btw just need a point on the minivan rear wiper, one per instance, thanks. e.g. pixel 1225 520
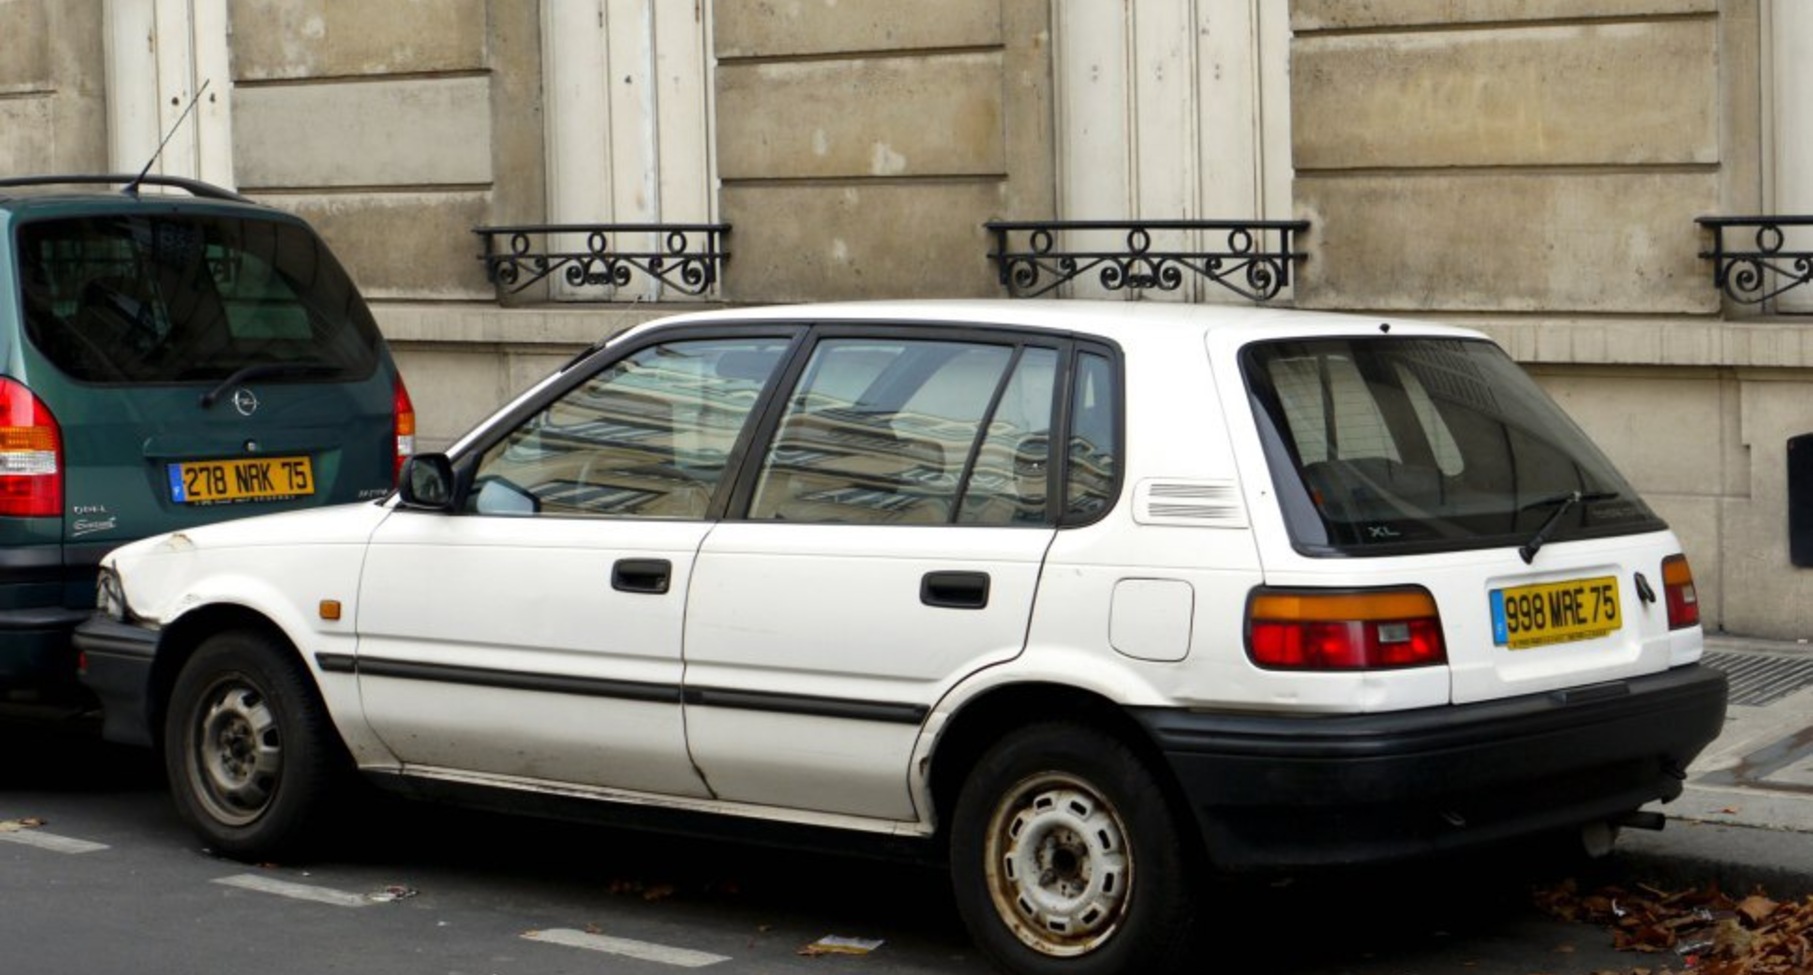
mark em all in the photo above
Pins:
pixel 259 370
pixel 1562 502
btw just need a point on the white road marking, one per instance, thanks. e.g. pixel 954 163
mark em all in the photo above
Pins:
pixel 641 950
pixel 49 841
pixel 301 892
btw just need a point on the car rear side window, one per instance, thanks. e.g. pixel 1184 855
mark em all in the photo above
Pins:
pixel 190 298
pixel 1383 445
pixel 1094 463
pixel 913 432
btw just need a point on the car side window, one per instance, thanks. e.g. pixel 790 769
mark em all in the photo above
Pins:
pixel 1007 485
pixel 1094 455
pixel 892 432
pixel 647 437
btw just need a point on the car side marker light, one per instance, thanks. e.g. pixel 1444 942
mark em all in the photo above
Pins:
pixel 330 610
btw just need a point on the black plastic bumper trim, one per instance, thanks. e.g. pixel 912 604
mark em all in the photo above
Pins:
pixel 118 672
pixel 1277 791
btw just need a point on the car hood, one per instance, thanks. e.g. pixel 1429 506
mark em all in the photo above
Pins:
pixel 346 524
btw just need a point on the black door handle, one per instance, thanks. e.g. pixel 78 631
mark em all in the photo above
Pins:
pixel 954 590
pixel 642 575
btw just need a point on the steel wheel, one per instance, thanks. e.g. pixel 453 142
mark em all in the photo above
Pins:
pixel 1066 858
pixel 1059 868
pixel 253 758
pixel 237 751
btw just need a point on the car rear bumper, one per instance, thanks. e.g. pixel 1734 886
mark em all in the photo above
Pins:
pixel 118 658
pixel 1275 792
pixel 35 654
pixel 46 591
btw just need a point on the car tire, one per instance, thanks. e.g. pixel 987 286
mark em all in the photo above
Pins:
pixel 1067 858
pixel 250 751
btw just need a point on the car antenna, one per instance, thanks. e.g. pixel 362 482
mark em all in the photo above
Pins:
pixel 131 189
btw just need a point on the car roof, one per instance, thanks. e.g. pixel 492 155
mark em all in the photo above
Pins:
pixel 114 191
pixel 1116 320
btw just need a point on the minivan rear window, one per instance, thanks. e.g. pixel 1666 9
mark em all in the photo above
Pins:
pixel 190 298
pixel 1401 444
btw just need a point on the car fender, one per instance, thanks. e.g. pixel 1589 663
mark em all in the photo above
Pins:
pixel 1121 681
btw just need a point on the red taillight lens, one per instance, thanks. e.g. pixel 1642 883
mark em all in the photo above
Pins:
pixel 1312 630
pixel 403 417
pixel 1677 586
pixel 31 455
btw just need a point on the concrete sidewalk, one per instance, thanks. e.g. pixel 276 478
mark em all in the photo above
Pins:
pixel 1746 817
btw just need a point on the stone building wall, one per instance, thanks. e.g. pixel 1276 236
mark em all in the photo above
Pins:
pixel 862 144
pixel 52 98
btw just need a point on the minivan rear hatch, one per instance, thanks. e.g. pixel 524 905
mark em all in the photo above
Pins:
pixel 200 357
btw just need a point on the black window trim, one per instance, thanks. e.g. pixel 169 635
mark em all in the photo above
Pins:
pixel 734 493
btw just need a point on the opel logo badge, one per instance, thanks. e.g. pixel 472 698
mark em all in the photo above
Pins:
pixel 244 401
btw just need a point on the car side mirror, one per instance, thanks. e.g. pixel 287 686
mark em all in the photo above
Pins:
pixel 426 482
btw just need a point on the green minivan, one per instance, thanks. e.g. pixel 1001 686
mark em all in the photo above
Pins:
pixel 171 353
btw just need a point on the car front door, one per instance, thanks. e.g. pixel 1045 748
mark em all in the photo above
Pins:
pixel 534 633
pixel 895 525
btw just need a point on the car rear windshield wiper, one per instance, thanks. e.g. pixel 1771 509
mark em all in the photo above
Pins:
pixel 260 370
pixel 1562 503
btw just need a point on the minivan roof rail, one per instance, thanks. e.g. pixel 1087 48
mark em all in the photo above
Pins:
pixel 195 187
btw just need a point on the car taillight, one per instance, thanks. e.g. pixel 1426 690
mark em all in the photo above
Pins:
pixel 1306 629
pixel 31 455
pixel 1677 587
pixel 403 421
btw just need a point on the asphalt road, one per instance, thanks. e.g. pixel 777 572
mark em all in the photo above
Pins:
pixel 111 881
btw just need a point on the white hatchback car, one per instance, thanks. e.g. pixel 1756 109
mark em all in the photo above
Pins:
pixel 1091 598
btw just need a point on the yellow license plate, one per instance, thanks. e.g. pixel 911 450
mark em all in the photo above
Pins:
pixel 1555 612
pixel 252 479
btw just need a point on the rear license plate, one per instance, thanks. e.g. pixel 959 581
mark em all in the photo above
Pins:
pixel 1555 612
pixel 254 479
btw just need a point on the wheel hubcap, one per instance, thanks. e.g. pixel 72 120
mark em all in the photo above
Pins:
pixel 237 753
pixel 1059 869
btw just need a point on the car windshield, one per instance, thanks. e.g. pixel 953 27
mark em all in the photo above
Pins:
pixel 190 298
pixel 1388 445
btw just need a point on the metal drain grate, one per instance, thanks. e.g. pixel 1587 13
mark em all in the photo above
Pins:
pixel 1761 678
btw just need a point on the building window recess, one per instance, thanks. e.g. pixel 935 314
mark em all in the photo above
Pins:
pixel 1770 267
pixel 685 257
pixel 1254 259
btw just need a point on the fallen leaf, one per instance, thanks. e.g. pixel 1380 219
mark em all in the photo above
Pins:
pixel 1756 907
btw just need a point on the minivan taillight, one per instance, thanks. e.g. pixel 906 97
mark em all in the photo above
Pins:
pixel 1677 587
pixel 403 423
pixel 1309 629
pixel 31 455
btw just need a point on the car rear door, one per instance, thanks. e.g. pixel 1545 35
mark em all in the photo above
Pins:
pixel 896 525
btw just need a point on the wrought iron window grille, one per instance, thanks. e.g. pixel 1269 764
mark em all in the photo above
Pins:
pixel 690 258
pixel 1246 264
pixel 1768 268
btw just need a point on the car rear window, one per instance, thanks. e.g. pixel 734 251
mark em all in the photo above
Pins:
pixel 1387 445
pixel 181 297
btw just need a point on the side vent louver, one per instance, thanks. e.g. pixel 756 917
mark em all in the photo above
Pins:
pixel 1203 504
